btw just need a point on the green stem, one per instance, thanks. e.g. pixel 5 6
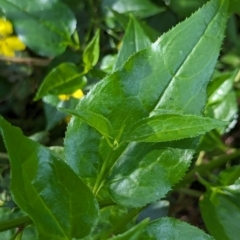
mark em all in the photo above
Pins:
pixel 103 172
pixel 15 223
pixel 122 223
pixel 204 168
pixel 18 233
pixel 190 192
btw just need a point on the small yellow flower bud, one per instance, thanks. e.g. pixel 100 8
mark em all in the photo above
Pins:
pixel 6 27
pixel 5 49
pixel 77 94
pixel 63 97
pixel 15 43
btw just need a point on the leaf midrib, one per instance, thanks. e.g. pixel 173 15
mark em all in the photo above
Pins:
pixel 184 61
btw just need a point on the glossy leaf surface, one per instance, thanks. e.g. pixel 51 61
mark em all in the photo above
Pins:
pixel 220 209
pixel 59 203
pixel 64 79
pixel 170 228
pixel 169 77
pixel 97 121
pixel 222 101
pixel 135 39
pixel 140 8
pixel 169 127
pixel 44 26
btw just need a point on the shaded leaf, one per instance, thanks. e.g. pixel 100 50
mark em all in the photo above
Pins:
pixel 170 228
pixel 91 52
pixel 229 176
pixel 169 127
pixel 40 180
pixel 124 19
pixel 220 209
pixel 44 26
pixel 140 8
pixel 64 79
pixel 135 39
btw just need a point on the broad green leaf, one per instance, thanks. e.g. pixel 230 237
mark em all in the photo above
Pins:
pixel 64 79
pixel 133 233
pixel 220 209
pixel 169 127
pixel 97 121
pixel 170 228
pixel 91 52
pixel 168 77
pixel 140 8
pixel 44 26
pixel 59 203
pixel 135 39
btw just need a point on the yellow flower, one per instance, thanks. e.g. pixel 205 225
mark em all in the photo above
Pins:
pixel 5 27
pixel 77 94
pixel 9 44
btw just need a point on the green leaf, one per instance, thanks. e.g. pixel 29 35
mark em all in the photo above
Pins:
pixel 234 6
pixel 169 127
pixel 229 175
pixel 222 102
pixel 135 39
pixel 220 209
pixel 220 87
pixel 184 8
pixel 56 199
pixel 168 77
pixel 97 121
pixel 64 79
pixel 170 228
pixel 91 52
pixel 44 26
pixel 133 233
pixel 140 8
pixel 124 19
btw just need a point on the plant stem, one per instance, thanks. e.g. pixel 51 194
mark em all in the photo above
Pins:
pixel 103 172
pixel 30 61
pixel 122 223
pixel 204 168
pixel 190 192
pixel 15 223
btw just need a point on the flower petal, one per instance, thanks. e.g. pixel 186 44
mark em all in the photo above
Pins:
pixel 15 43
pixel 77 94
pixel 6 27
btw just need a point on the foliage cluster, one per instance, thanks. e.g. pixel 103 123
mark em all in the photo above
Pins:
pixel 148 92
